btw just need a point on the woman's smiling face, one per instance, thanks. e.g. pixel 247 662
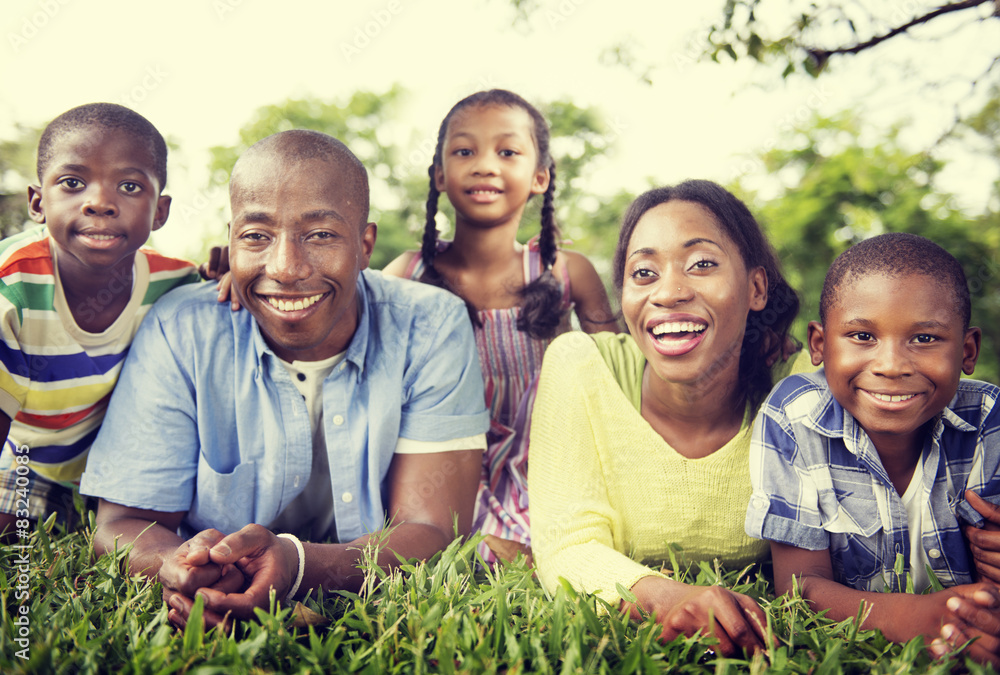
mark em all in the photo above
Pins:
pixel 686 293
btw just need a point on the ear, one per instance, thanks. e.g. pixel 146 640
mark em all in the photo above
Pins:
pixel 541 181
pixel 816 340
pixel 439 178
pixel 35 209
pixel 162 211
pixel 368 237
pixel 970 349
pixel 758 289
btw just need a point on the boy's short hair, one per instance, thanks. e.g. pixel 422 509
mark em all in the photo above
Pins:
pixel 109 116
pixel 897 254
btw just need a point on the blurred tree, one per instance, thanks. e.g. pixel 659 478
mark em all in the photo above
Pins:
pixel 835 190
pixel 17 171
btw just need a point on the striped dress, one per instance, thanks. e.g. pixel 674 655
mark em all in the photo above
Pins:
pixel 56 379
pixel 510 361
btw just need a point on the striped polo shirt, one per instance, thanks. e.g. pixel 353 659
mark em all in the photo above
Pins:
pixel 56 379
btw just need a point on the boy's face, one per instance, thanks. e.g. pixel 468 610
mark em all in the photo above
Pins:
pixel 894 349
pixel 99 197
pixel 297 243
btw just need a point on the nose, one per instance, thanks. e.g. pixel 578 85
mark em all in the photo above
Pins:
pixel 100 201
pixel 670 289
pixel 891 360
pixel 486 164
pixel 288 261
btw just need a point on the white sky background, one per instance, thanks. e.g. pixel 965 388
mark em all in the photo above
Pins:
pixel 199 68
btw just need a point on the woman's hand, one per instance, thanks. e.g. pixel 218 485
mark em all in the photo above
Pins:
pixel 734 619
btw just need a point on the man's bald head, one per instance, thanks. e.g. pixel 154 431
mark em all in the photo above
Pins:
pixel 280 151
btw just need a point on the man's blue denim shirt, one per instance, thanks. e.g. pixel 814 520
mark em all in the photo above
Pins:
pixel 818 482
pixel 205 420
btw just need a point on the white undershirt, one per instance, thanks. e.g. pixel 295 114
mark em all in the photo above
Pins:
pixel 915 506
pixel 310 515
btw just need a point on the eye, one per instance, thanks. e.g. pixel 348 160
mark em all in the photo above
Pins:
pixel 71 183
pixel 863 337
pixel 130 188
pixel 703 264
pixel 253 237
pixel 508 153
pixel 323 235
pixel 642 273
pixel 462 152
pixel 925 339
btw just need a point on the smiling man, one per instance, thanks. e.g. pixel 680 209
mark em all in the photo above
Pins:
pixel 339 401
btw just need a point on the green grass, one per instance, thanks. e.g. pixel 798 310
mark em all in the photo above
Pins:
pixel 445 615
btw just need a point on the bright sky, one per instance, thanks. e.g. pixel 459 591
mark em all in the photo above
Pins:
pixel 199 68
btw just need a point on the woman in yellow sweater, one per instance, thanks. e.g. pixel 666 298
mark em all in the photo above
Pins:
pixel 640 442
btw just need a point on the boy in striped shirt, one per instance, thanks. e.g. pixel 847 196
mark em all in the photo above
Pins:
pixel 72 294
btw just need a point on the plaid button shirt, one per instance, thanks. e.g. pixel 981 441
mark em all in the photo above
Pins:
pixel 818 483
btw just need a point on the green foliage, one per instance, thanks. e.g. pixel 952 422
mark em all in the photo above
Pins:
pixel 446 615
pixel 17 171
pixel 837 189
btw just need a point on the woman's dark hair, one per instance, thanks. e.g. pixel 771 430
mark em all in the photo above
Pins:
pixel 767 329
pixel 539 316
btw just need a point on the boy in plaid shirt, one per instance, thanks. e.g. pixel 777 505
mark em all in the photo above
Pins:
pixel 869 468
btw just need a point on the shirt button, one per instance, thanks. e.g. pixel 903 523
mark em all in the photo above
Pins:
pixel 347 497
pixel 934 553
pixel 758 502
pixel 343 365
pixel 338 420
pixel 301 376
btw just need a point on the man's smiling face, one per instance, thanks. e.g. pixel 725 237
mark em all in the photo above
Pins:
pixel 298 241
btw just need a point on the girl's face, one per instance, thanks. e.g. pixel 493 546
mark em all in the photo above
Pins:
pixel 490 165
pixel 686 293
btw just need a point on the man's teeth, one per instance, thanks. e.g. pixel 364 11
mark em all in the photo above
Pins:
pixel 484 192
pixel 678 327
pixel 892 399
pixel 293 305
pixel 102 237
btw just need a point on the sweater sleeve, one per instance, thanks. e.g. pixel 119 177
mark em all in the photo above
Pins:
pixel 572 520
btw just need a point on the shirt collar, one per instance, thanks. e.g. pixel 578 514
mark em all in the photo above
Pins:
pixel 357 350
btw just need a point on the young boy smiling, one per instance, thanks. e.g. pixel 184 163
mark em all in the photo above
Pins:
pixel 868 461
pixel 72 294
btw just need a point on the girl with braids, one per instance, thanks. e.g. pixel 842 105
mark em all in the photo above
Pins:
pixel 492 156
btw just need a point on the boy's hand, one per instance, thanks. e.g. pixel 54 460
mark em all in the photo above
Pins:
pixel 217 267
pixel 984 543
pixel 974 614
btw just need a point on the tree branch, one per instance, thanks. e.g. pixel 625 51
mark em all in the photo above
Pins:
pixel 822 55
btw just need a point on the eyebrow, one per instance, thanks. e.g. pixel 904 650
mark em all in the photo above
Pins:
pixel 322 214
pixel 265 218
pixel 867 323
pixel 506 134
pixel 688 244
pixel 82 168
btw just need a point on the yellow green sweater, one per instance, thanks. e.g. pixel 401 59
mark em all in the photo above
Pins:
pixel 608 495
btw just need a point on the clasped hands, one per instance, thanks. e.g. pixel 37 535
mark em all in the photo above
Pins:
pixel 234 574
pixel 974 609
